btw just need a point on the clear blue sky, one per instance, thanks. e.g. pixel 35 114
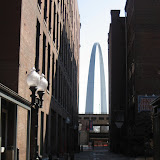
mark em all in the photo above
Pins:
pixel 95 20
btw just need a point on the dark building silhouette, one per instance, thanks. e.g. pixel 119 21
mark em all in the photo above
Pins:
pixel 142 33
pixel 117 79
pixel 47 37
pixel 143 38
pixel 156 128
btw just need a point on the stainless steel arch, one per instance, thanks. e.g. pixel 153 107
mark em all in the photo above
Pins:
pixel 90 84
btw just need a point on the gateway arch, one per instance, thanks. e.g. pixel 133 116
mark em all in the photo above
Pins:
pixel 90 84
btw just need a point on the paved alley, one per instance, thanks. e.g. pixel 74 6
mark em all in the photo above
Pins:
pixel 101 153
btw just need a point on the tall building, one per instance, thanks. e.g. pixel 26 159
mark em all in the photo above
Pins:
pixel 91 78
pixel 47 38
pixel 117 79
pixel 142 33
pixel 143 38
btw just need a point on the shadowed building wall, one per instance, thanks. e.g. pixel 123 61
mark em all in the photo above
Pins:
pixel 143 39
pixel 141 28
pixel 117 78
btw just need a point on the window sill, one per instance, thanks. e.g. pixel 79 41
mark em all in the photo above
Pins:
pixel 53 43
pixel 49 32
pixel 39 8
pixel 45 23
pixel 48 91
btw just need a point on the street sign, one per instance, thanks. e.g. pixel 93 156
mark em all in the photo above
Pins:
pixel 144 103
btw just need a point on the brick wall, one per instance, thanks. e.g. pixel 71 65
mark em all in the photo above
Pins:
pixel 65 50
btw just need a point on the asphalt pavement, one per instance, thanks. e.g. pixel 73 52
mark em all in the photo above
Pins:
pixel 102 153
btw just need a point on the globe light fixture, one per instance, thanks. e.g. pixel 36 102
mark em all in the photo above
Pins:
pixel 68 121
pixel 75 127
pixel 43 83
pixel 37 84
pixel 33 78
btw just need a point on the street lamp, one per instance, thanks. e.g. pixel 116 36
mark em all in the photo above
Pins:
pixel 36 83
pixel 75 127
pixel 68 121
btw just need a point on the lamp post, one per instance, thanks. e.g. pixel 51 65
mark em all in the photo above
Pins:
pixel 37 84
pixel 119 121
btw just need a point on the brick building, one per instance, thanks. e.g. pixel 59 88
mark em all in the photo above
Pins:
pixel 143 38
pixel 156 128
pixel 142 62
pixel 47 37
pixel 117 78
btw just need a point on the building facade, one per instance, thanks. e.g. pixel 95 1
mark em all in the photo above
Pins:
pixel 117 79
pixel 156 128
pixel 142 38
pixel 94 129
pixel 47 38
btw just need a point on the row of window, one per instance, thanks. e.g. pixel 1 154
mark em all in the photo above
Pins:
pixel 65 55
pixel 56 19
pixel 44 54
pixel 61 85
pixel 61 124
pixel 94 118
pixel 58 76
pixel 63 92
pixel 49 17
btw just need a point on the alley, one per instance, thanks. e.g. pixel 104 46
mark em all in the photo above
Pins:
pixel 100 153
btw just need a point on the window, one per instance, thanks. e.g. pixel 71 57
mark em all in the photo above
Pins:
pixel 37 45
pixel 59 85
pixel 54 22
pixel 64 92
pixel 101 118
pixel 48 68
pixel 93 118
pixel 63 10
pixel 86 117
pixel 61 6
pixel 41 135
pixel 4 122
pixel 39 3
pixel 45 10
pixel 46 136
pixel 60 41
pixel 57 29
pixel 56 79
pixel 53 75
pixel 59 136
pixel 60 88
pixel 65 15
pixel 50 10
pixel 53 131
pixel 44 54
